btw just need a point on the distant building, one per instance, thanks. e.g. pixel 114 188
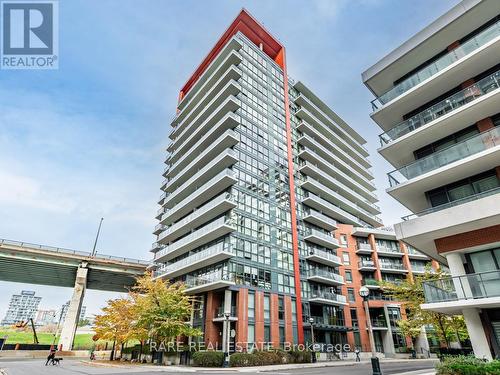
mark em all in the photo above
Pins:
pixel 22 307
pixel 46 317
pixel 64 311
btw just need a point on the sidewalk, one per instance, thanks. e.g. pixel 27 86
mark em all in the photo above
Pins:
pixel 292 366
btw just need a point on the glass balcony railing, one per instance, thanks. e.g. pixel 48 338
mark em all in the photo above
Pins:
pixel 440 64
pixel 193 281
pixel 461 98
pixel 471 286
pixel 325 320
pixel 392 266
pixel 379 323
pixel 369 282
pixel 366 263
pixel 324 254
pixel 471 146
pixel 364 246
pixel 326 274
pixel 385 249
pixel 219 312
pixel 329 296
pixel 457 202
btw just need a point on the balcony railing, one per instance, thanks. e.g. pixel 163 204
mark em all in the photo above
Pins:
pixel 219 312
pixel 328 296
pixel 392 266
pixel 458 151
pixel 324 254
pixel 322 238
pixel 378 323
pixel 471 286
pixel 366 263
pixel 325 320
pixel 369 282
pixel 320 217
pixel 193 281
pixel 439 65
pixel 325 274
pixel 454 203
pixel 363 247
pixel 461 98
pixel 385 249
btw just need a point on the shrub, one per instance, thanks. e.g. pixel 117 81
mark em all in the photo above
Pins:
pixel 242 360
pixel 467 365
pixel 208 359
pixel 300 356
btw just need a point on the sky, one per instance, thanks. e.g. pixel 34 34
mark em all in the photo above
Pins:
pixel 88 140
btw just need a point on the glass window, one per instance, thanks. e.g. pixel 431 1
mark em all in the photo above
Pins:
pixel 251 333
pixel 281 308
pixel 351 296
pixel 354 317
pixel 267 308
pixel 348 276
pixel 251 306
pixel 343 239
pixel 345 258
pixel 267 334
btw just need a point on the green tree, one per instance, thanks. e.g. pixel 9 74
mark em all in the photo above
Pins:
pixel 411 293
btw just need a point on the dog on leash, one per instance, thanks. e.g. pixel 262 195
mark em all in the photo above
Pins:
pixel 56 361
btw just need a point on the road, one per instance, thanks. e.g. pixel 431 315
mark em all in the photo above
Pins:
pixel 75 367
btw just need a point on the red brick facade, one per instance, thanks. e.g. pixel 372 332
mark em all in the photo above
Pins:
pixel 466 240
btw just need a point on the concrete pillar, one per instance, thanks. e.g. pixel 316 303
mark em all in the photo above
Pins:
pixel 476 333
pixel 388 341
pixel 73 315
pixel 226 325
pixel 461 284
pixel 422 344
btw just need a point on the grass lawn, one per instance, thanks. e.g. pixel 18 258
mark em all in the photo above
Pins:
pixel 82 340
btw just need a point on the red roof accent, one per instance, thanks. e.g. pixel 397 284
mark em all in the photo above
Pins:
pixel 253 30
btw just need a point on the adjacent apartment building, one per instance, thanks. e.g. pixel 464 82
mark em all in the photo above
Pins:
pixel 438 104
pixel 268 207
pixel 22 307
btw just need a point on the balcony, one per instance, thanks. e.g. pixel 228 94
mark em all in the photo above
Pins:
pixel 202 284
pixel 366 265
pixel 212 255
pixel 323 257
pixel 389 252
pixel 210 169
pixel 203 97
pixel 199 237
pixel 364 248
pixel 478 154
pixel 378 324
pixel 452 294
pixel 437 66
pixel 203 214
pixel 158 229
pixel 329 321
pixel 340 201
pixel 392 267
pixel 231 89
pixel 222 118
pixel 417 255
pixel 325 119
pixel 327 298
pixel 199 196
pixel 310 120
pixel 418 269
pixel 319 219
pixel 328 151
pixel 321 238
pixel 323 205
pixel 325 277
pixel 219 314
pixel 209 146
pixel 370 283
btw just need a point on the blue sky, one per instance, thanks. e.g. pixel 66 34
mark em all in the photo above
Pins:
pixel 87 140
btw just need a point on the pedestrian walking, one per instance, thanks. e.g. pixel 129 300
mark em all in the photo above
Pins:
pixel 51 356
pixel 356 351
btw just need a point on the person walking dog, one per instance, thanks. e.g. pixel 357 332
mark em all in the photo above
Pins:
pixel 51 356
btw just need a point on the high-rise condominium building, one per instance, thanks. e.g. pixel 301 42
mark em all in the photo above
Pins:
pixel 22 307
pixel 438 104
pixel 264 187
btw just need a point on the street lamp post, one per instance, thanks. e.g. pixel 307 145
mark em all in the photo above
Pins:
pixel 313 353
pixel 364 292
pixel 226 346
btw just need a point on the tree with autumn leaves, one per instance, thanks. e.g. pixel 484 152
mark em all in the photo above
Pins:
pixel 411 293
pixel 153 310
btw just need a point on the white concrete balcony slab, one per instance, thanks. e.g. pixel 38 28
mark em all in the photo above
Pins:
pixel 336 156
pixel 472 156
pixel 328 298
pixel 199 237
pixel 221 74
pixel 209 146
pixel 324 257
pixel 199 196
pixel 203 214
pixel 319 219
pixel 205 174
pixel 338 200
pixel 231 89
pixel 366 265
pixel 311 120
pixel 321 238
pixel 324 277
pixel 203 170
pixel 465 215
pixel 215 281
pixel 451 295
pixel 450 116
pixel 186 117
pixel 158 229
pixel 461 70
pixel 389 252
pixel 212 255
pixel 364 248
pixel 416 255
pixel 224 58
pixel 385 233
pixel 331 210
pixel 318 168
pixel 392 267
pixel 304 101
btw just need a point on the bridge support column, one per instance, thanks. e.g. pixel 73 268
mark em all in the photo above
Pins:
pixel 73 315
